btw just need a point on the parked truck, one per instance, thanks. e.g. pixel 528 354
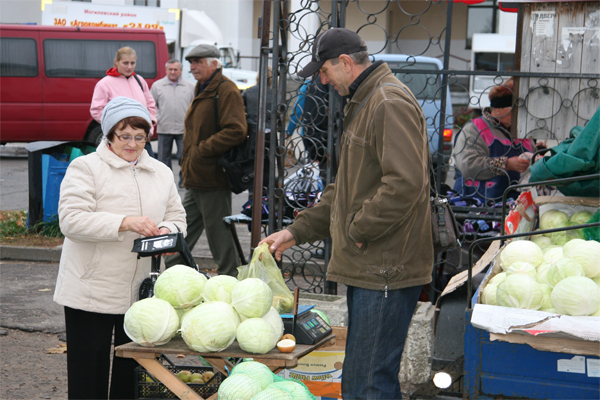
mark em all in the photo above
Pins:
pixel 184 29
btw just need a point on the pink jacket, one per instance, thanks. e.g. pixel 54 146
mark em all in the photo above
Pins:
pixel 110 87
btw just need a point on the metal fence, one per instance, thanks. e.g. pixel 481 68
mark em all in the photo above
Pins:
pixel 307 117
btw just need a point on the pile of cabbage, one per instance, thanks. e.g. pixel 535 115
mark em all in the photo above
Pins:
pixel 209 313
pixel 536 275
pixel 251 380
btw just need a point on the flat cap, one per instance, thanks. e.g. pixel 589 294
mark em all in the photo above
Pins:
pixel 203 51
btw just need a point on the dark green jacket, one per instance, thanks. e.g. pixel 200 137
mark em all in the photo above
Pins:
pixel 203 144
pixel 381 194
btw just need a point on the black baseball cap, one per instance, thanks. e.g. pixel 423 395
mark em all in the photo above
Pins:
pixel 331 44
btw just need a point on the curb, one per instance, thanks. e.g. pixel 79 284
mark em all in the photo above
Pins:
pixel 13 151
pixel 52 254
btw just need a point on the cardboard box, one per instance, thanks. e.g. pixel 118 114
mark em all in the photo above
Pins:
pixel 321 371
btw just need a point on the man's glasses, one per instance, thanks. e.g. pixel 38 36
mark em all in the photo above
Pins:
pixel 127 138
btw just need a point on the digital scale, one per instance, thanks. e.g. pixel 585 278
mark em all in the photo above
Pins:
pixel 306 326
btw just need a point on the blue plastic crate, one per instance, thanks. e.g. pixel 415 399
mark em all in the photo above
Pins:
pixel 496 369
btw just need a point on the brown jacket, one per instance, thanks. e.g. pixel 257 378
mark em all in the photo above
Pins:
pixel 381 194
pixel 202 143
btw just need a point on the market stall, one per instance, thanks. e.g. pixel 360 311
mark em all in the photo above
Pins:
pixel 148 358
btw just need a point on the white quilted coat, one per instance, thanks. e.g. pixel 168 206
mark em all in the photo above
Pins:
pixel 98 272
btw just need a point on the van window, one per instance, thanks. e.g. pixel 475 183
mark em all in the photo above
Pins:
pixel 18 57
pixel 423 86
pixel 65 58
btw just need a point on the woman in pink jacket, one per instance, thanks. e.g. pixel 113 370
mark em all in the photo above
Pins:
pixel 121 80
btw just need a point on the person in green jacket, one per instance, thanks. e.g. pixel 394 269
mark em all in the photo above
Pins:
pixel 377 212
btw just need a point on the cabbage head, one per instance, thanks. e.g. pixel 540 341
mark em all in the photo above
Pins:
pixel 181 286
pixel 256 335
pixel 497 279
pixel 521 267
pixel 210 326
pixel 552 219
pixel 576 295
pixel 542 273
pixel 273 393
pixel 273 318
pixel 541 240
pixel 151 322
pixel 219 288
pixel 520 291
pixel 521 250
pixel 488 296
pixel 580 217
pixel 297 390
pixel 553 254
pixel 238 387
pixel 562 269
pixel 259 372
pixel 588 255
pixel 571 244
pixel 252 298
pixel 547 304
pixel 559 238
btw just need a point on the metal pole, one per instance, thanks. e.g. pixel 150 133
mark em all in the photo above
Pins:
pixel 442 124
pixel 260 129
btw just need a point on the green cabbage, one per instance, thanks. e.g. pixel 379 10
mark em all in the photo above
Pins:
pixel 488 296
pixel 297 390
pixel 497 279
pixel 256 335
pixel 552 219
pixel 562 269
pixel 588 255
pixel 151 322
pixel 542 272
pixel 580 217
pixel 576 295
pixel 273 318
pixel 210 326
pixel 571 244
pixel 219 288
pixel 597 280
pixel 238 387
pixel 252 298
pixel 520 291
pixel 552 254
pixel 541 241
pixel 181 286
pixel 521 267
pixel 547 289
pixel 521 250
pixel 273 394
pixel 259 372
pixel 559 238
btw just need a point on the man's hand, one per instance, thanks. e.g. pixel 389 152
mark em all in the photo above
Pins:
pixel 279 242
pixel 517 164
pixel 142 225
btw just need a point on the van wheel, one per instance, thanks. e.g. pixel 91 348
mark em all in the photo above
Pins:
pixel 94 136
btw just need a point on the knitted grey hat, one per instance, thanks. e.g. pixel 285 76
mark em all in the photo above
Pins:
pixel 120 108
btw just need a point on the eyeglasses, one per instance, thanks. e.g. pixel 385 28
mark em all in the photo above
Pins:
pixel 127 138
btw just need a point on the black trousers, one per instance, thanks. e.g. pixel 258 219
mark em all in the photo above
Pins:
pixel 89 338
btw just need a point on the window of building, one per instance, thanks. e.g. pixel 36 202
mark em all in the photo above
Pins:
pixel 481 18
pixel 147 3
pixel 91 58
pixel 18 57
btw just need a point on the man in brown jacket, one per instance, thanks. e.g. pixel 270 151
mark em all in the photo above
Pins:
pixel 377 212
pixel 214 123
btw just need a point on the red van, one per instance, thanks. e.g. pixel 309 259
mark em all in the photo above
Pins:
pixel 48 75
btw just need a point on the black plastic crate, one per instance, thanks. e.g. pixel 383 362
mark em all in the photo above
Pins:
pixel 148 387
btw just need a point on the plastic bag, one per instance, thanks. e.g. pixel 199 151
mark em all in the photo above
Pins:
pixel 265 268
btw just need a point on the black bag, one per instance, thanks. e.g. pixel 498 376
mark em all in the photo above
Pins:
pixel 238 162
pixel 444 228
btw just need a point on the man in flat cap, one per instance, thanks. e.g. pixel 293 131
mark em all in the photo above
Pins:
pixel 377 212
pixel 215 122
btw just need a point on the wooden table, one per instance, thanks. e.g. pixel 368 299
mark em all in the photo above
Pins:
pixel 147 357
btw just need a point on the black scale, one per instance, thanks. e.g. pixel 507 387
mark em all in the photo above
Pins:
pixel 307 327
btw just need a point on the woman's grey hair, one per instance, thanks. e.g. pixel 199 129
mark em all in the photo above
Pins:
pixel 209 61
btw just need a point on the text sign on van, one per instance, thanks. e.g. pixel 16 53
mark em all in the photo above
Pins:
pixel 70 13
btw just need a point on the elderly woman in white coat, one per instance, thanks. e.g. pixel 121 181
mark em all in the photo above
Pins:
pixel 108 199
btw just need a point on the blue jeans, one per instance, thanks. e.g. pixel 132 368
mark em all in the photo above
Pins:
pixel 377 329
